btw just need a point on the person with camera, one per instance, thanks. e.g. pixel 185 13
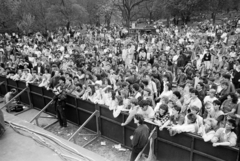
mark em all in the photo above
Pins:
pixel 60 102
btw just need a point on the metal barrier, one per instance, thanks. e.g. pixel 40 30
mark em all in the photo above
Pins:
pixel 40 112
pixel 96 113
pixel 183 146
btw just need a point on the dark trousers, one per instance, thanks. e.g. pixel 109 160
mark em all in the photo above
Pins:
pixel 61 116
pixel 133 156
pixel 135 153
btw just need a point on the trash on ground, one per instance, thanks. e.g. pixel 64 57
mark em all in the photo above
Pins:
pixel 122 149
pixel 85 138
pixel 118 146
pixel 103 143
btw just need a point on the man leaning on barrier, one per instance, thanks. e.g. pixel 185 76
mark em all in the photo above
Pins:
pixel 140 136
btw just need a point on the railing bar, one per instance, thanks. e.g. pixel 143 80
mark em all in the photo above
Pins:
pixel 1 83
pixel 89 142
pixel 36 93
pixel 86 134
pixel 22 111
pixel 108 119
pixel 47 126
pixel 80 109
pixel 41 111
pixel 207 155
pixel 84 124
pixel 174 144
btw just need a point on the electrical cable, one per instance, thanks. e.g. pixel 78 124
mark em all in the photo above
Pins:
pixel 63 156
pixel 53 139
pixel 39 142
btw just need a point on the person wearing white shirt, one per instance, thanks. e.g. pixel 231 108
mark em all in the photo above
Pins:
pixel 151 85
pixel 194 100
pixel 167 92
pixel 211 97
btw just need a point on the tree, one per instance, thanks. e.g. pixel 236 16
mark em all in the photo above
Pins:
pixel 127 8
pixel 66 12
pixel 108 11
pixel 183 8
pixel 216 6
pixel 26 23
pixel 8 14
pixel 151 9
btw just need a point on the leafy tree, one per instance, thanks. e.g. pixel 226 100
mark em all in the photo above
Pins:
pixel 26 23
pixel 183 8
pixel 108 11
pixel 128 9
pixel 152 9
pixel 8 14
pixel 66 12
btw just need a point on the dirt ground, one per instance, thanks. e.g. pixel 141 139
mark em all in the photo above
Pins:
pixel 107 151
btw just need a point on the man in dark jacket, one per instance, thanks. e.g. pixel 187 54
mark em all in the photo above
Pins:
pixel 60 105
pixel 39 68
pixel 140 136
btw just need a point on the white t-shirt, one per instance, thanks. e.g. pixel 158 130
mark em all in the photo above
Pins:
pixel 209 99
pixel 195 102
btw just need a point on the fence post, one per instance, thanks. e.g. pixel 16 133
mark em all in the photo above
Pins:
pixel 97 118
pixel 39 113
pixel 29 98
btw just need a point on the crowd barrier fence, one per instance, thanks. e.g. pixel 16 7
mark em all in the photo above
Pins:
pixel 186 147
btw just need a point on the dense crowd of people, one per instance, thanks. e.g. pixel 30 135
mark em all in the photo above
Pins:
pixel 182 78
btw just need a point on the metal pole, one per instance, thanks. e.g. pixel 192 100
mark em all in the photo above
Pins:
pixel 81 127
pixel 2 83
pixel 149 138
pixel 39 113
pixel 14 98
pixel 50 124
pixel 90 141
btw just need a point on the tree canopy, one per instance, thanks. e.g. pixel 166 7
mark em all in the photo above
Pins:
pixel 42 15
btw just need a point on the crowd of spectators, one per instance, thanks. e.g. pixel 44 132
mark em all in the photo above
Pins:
pixel 182 78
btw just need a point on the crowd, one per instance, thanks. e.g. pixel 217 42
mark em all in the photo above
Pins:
pixel 182 78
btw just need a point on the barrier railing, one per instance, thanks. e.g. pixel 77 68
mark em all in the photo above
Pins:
pixel 179 147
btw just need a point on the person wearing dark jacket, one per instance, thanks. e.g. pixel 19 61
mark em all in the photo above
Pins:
pixel 39 68
pixel 140 136
pixel 60 105
pixel 236 77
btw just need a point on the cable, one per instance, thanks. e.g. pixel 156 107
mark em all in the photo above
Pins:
pixel 52 138
pixel 44 143
pixel 39 142
pixel 55 140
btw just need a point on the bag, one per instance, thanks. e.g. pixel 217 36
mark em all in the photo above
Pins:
pixel 17 108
